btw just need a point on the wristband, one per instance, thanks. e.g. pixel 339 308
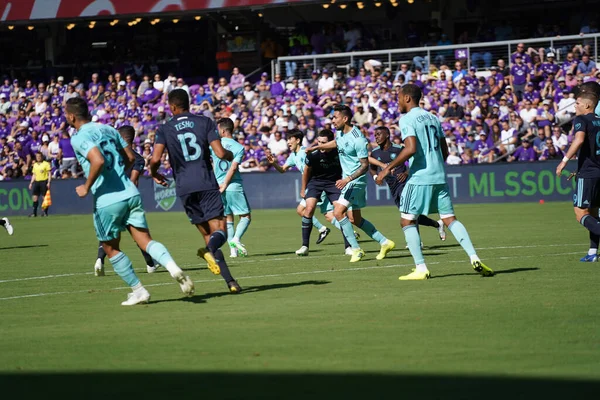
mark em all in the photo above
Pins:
pixel 565 159
pixel 374 177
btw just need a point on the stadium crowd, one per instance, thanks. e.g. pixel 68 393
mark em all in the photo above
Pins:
pixel 514 111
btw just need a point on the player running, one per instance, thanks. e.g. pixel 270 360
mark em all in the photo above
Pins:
pixel 117 202
pixel 353 153
pixel 6 224
pixel 426 190
pixel 231 187
pixel 320 174
pixel 586 146
pixel 384 154
pixel 128 133
pixel 188 139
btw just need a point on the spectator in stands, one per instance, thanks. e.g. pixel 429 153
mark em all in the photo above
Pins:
pixel 586 67
pixel 326 83
pixel 551 152
pixel 236 82
pixel 559 139
pixel 278 87
pixel 525 153
pixel 519 75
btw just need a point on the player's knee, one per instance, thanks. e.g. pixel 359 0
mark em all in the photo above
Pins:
pixel 448 220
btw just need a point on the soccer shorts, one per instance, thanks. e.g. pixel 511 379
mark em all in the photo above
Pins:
pixel 325 205
pixel 354 195
pixel 235 203
pixel 110 221
pixel 326 192
pixel 425 199
pixel 397 194
pixel 588 193
pixel 201 207
pixel 39 188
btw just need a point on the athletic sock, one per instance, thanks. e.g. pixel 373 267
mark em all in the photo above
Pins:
pixel 426 221
pixel 242 227
pixel 101 253
pixel 591 224
pixel 370 230
pixel 123 267
pixel 35 207
pixel 159 252
pixel 307 226
pixel 462 236
pixel 220 259
pixel 149 260
pixel 348 232
pixel 413 240
pixel 216 241
pixel 230 230
pixel 316 223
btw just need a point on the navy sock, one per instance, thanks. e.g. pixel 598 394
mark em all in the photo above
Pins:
pixel 426 221
pixel 591 224
pixel 307 225
pixel 101 253
pixel 149 260
pixel 594 241
pixel 217 239
pixel 220 259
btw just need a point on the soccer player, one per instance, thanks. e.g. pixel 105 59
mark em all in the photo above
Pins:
pixel 127 132
pixel 585 145
pixel 40 182
pixel 231 188
pixel 352 148
pixel 320 174
pixel 297 158
pixel 104 157
pixel 6 224
pixel 426 190
pixel 380 157
pixel 188 139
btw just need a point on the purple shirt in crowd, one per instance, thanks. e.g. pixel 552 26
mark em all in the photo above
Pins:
pixel 519 73
pixel 65 145
pixel 523 154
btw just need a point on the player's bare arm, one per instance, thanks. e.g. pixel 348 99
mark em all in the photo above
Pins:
pixel 575 146
pixel 376 163
pixel 96 160
pixel 444 149
pixel 159 149
pixel 128 157
pixel 229 176
pixel 220 151
pixel 410 148
pixel 305 178
pixel 273 161
pixel 364 166
pixel 323 146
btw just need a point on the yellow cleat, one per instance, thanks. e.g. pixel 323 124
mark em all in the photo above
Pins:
pixel 415 276
pixel 210 260
pixel 357 255
pixel 385 248
pixel 483 269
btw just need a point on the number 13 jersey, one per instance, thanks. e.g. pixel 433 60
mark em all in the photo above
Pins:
pixel 427 164
pixel 187 138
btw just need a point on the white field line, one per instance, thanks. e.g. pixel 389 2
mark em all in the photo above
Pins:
pixel 281 275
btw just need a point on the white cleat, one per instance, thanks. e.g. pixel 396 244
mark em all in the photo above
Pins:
pixel 233 252
pixel 99 267
pixel 140 296
pixel 152 270
pixel 185 283
pixel 9 228
pixel 348 251
pixel 241 249
pixel 442 230
pixel 302 251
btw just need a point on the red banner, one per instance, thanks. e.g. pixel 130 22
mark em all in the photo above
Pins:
pixel 22 10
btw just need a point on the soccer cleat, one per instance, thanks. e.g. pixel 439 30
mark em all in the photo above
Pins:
pixel 442 230
pixel 234 287
pixel 356 235
pixel 589 258
pixel 99 267
pixel 357 255
pixel 322 235
pixel 241 249
pixel 32 215
pixel 348 251
pixel 151 269
pixel 140 296
pixel 385 248
pixel 483 269
pixel 185 283
pixel 415 276
pixel 210 260
pixel 302 251
pixel 232 251
pixel 8 226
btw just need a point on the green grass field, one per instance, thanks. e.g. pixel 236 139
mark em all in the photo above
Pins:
pixel 315 327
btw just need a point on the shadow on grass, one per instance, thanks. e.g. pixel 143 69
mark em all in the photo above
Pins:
pixel 33 246
pixel 280 253
pixel 407 254
pixel 275 385
pixel 201 298
pixel 500 272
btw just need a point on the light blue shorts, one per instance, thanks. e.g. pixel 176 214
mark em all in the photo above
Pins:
pixel 426 199
pixel 110 221
pixel 354 195
pixel 235 203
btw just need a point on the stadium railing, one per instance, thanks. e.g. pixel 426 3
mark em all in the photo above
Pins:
pixel 484 54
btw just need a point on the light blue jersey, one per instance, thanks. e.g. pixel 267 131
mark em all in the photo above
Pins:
pixel 221 167
pixel 297 159
pixel 427 164
pixel 352 146
pixel 113 185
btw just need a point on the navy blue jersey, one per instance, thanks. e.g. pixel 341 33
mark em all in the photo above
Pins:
pixel 324 166
pixel 138 164
pixel 588 158
pixel 187 138
pixel 386 157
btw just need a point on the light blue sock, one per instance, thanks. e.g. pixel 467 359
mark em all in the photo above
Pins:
pixel 242 227
pixel 335 223
pixel 348 232
pixel 318 225
pixel 462 236
pixel 373 233
pixel 230 230
pixel 122 266
pixel 160 253
pixel 413 240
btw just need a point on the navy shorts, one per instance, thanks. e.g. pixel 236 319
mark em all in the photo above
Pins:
pixel 396 194
pixel 588 193
pixel 315 188
pixel 201 207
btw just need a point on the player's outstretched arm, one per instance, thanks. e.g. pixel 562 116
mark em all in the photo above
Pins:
pixel 273 161
pixel 374 164
pixel 325 146
pixel 96 160
pixel 575 146
pixel 220 151
pixel 410 148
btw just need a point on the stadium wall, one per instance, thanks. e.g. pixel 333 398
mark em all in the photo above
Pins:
pixel 495 183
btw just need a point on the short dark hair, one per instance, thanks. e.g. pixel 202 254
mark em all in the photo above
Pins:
pixel 78 107
pixel 412 91
pixel 590 87
pixel 344 110
pixel 383 128
pixel 326 133
pixel 225 123
pixel 127 132
pixel 296 133
pixel 180 99
pixel 593 97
